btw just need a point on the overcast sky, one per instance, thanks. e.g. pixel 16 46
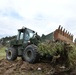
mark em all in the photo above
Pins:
pixel 43 16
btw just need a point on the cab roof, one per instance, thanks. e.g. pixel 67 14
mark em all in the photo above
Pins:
pixel 24 28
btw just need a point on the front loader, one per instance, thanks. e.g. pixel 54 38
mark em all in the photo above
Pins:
pixel 27 44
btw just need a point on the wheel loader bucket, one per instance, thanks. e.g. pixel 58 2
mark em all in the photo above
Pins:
pixel 59 34
pixel 63 35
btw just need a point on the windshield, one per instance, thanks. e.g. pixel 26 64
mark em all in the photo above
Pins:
pixel 29 34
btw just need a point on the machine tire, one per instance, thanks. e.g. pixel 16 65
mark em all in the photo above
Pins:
pixel 30 54
pixel 11 54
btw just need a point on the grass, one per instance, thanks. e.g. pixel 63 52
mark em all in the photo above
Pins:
pixel 2 52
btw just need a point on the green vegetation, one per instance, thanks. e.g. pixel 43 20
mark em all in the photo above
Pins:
pixel 2 52
pixel 5 40
pixel 50 48
pixel 67 52
pixel 72 55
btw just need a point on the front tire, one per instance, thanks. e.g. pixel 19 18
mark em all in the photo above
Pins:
pixel 11 54
pixel 30 54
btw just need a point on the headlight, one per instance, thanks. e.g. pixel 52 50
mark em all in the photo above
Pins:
pixel 28 41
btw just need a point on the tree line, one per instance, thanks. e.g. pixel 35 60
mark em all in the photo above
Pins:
pixel 7 39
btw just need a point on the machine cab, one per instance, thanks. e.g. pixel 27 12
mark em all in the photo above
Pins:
pixel 24 35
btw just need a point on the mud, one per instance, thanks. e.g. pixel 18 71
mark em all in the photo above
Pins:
pixel 20 67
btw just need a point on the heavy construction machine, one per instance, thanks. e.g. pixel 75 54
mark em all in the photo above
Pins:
pixel 26 44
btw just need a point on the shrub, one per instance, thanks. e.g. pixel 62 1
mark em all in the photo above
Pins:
pixel 72 55
pixel 67 52
pixel 50 48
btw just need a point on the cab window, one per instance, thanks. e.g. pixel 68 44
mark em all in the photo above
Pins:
pixel 21 35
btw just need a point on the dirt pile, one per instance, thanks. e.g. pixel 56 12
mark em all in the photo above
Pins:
pixel 20 67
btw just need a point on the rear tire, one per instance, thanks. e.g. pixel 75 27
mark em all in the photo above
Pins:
pixel 11 54
pixel 30 54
